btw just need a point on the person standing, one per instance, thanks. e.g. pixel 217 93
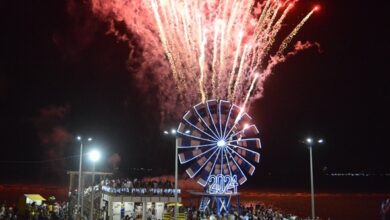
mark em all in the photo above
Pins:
pixel 385 209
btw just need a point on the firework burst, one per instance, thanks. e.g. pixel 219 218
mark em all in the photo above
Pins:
pixel 215 49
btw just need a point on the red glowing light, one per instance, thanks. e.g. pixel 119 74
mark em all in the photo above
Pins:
pixel 316 8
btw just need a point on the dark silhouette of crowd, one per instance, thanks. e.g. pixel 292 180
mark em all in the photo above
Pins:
pixel 46 211
pixel 262 212
pixel 8 211
pixel 385 209
pixel 257 212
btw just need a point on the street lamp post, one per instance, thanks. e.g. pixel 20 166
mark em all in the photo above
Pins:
pixel 173 132
pixel 94 156
pixel 79 190
pixel 309 142
pixel 176 179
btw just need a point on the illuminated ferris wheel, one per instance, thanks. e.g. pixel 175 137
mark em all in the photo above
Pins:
pixel 218 143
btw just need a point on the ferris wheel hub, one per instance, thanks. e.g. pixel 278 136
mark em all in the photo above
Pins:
pixel 221 143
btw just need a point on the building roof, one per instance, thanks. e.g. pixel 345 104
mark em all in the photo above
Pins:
pixel 35 197
pixel 90 173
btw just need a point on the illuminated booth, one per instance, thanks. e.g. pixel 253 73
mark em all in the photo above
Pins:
pixel 27 200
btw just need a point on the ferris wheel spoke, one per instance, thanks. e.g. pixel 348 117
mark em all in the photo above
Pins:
pixel 236 122
pixel 202 120
pixel 194 126
pixel 212 119
pixel 215 162
pixel 220 118
pixel 252 128
pixel 183 159
pixel 208 173
pixel 227 161
pixel 255 156
pixel 227 121
pixel 221 104
pixel 190 170
pixel 248 142
pixel 222 165
pixel 235 134
pixel 249 169
pixel 243 148
pixel 243 178
pixel 234 160
pixel 194 137
pixel 195 146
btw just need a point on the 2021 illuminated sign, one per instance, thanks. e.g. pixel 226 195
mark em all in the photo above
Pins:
pixel 222 184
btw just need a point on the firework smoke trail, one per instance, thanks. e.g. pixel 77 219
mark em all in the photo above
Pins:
pixel 250 90
pixel 234 65
pixel 279 55
pixel 201 66
pixel 288 39
pixel 240 71
pixel 164 41
pixel 215 51
pixel 264 26
pixel 226 48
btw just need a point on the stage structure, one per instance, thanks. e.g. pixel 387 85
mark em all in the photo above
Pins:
pixel 218 146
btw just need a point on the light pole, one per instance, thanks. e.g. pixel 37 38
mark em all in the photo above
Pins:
pixel 80 193
pixel 310 143
pixel 94 156
pixel 173 132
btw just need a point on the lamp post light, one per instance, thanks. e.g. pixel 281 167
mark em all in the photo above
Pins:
pixel 176 176
pixel 310 142
pixel 80 193
pixel 94 156
pixel 174 133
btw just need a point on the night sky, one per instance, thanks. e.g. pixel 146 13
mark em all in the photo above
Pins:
pixel 61 76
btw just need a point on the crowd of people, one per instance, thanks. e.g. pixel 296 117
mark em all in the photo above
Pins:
pixel 135 183
pixel 50 211
pixel 45 211
pixel 135 186
pixel 258 212
pixel 139 186
pixel 262 212
pixel 8 211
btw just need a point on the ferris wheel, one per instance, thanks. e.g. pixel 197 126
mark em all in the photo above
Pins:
pixel 218 145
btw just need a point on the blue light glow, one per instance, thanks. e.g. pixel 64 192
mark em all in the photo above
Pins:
pixel 221 143
pixel 222 184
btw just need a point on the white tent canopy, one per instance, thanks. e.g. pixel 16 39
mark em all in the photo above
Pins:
pixel 38 199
